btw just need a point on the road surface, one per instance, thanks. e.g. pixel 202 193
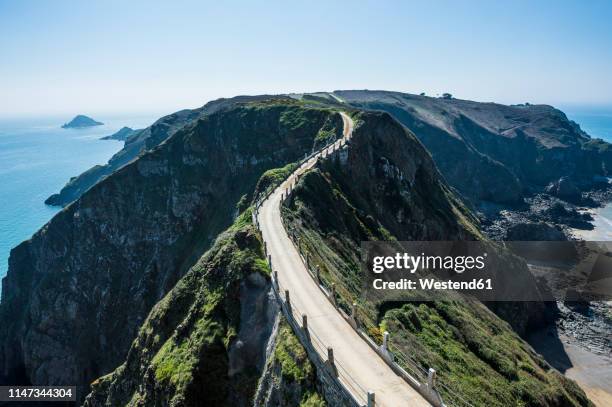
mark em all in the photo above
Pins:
pixel 351 352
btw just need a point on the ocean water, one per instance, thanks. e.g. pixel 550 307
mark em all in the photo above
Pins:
pixel 37 157
pixel 596 122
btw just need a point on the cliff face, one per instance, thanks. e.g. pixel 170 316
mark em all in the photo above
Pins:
pixel 122 134
pixel 387 172
pixel 495 152
pixel 79 289
pixel 212 338
pixel 205 342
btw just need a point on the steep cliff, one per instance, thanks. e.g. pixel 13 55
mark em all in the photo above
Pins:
pixel 289 379
pixel 385 187
pixel 205 343
pixel 79 289
pixel 216 339
pixel 493 152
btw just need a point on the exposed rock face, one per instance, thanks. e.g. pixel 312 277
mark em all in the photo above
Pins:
pixel 564 188
pixel 205 343
pixel 388 172
pixel 216 339
pixel 77 292
pixel 494 152
pixel 137 144
pixel 540 231
pixel 80 121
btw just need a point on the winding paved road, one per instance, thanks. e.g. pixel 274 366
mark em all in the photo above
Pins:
pixel 351 352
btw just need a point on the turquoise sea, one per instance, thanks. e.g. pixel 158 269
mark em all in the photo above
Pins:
pixel 37 157
pixel 597 122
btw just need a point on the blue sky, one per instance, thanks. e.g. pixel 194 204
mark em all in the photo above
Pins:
pixel 60 57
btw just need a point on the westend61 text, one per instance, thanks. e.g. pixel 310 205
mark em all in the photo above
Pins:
pixel 433 284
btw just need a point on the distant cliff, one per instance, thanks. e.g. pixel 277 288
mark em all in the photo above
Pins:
pixel 81 121
pixel 494 152
pixel 487 151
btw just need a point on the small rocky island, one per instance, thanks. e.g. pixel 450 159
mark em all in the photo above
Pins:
pixel 121 135
pixel 81 121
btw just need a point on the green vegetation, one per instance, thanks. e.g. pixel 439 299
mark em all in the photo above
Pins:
pixel 332 130
pixel 296 373
pixel 478 355
pixel 184 343
pixel 291 356
pixel 272 178
pixel 312 400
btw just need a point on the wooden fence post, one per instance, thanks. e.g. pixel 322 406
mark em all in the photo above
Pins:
pixel 371 399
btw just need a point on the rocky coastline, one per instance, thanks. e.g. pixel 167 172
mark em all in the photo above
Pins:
pixel 543 216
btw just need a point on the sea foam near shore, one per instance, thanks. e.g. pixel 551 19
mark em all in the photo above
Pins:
pixel 602 225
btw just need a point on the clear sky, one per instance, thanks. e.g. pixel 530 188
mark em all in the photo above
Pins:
pixel 73 57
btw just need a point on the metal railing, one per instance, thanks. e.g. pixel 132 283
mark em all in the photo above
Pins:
pixel 319 353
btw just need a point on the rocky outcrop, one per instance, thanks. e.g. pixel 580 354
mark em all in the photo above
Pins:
pixel 493 152
pixel 81 121
pixel 539 231
pixel 564 188
pixel 77 292
pixel 122 134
